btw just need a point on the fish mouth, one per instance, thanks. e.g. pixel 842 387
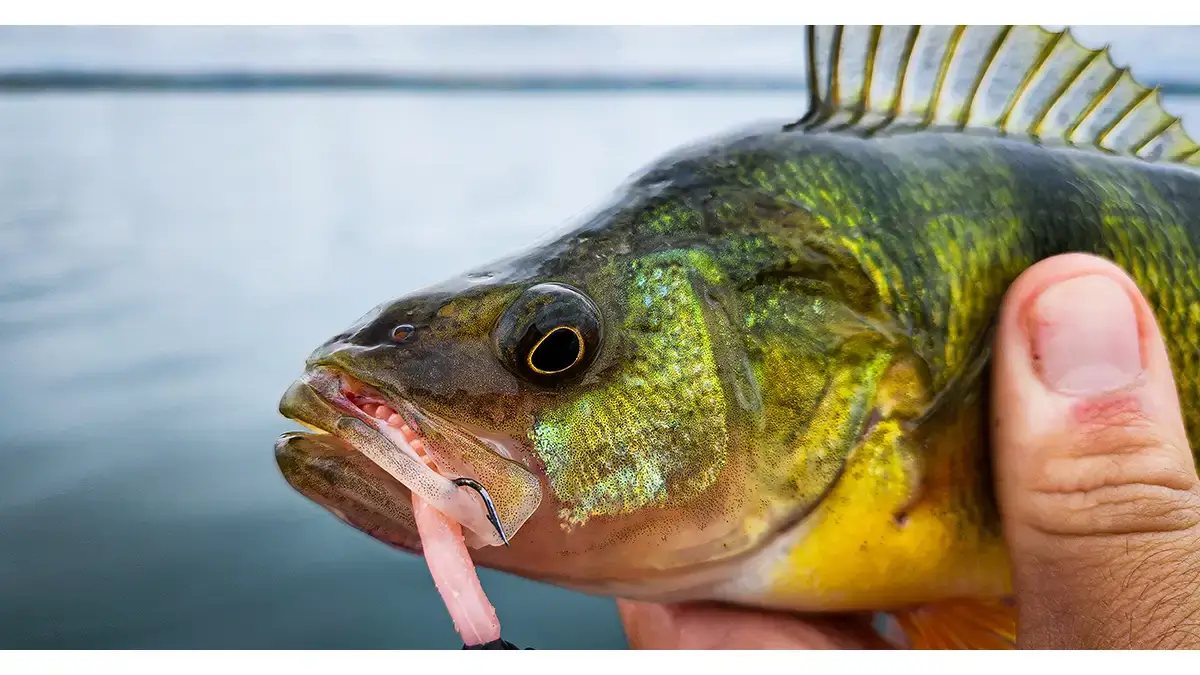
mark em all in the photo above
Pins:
pixel 472 479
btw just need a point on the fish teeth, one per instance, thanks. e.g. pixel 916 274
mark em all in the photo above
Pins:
pixel 383 413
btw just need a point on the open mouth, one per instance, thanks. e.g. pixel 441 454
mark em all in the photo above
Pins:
pixel 455 472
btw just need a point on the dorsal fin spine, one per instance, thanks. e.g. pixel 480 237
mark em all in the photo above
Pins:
pixel 876 32
pixel 947 59
pixel 897 99
pixel 997 45
pixel 1154 133
pixel 1062 89
pixel 1109 85
pixel 814 92
pixel 864 103
pixel 1133 104
pixel 835 64
pixel 1047 50
pixel 825 110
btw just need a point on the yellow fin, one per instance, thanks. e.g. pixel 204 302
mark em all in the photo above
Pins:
pixel 1022 81
pixel 961 624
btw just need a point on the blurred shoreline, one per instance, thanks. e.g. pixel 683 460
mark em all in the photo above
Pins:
pixel 265 81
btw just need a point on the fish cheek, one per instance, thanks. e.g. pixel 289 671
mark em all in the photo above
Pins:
pixel 656 433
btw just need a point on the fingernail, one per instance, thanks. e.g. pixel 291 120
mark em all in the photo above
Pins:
pixel 1085 336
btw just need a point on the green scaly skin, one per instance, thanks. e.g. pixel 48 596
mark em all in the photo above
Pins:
pixel 771 303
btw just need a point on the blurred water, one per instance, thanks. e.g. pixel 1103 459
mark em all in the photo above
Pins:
pixel 167 262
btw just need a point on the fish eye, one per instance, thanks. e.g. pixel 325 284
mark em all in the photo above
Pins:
pixel 403 332
pixel 557 351
pixel 549 334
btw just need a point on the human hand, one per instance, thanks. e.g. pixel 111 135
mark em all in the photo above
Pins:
pixel 1095 477
pixel 652 626
pixel 1095 480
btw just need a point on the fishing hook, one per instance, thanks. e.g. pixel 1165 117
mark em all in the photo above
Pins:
pixel 492 516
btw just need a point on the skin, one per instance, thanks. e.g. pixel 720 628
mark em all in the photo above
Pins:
pixel 1096 483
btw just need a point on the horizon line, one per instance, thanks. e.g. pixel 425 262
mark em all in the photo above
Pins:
pixel 79 80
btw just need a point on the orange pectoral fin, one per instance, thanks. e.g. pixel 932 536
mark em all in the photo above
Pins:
pixel 961 624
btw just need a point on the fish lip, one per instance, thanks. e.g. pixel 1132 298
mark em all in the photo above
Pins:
pixel 297 467
pixel 324 396
pixel 329 386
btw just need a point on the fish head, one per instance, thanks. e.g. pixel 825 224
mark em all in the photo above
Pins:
pixel 599 391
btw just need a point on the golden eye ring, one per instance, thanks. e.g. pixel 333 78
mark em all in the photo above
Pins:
pixel 578 355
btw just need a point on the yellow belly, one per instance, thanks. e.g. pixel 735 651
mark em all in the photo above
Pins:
pixel 877 542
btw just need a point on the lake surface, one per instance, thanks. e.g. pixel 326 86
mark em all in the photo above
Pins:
pixel 167 262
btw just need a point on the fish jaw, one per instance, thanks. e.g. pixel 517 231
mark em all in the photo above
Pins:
pixel 336 404
pixel 332 474
pixel 330 471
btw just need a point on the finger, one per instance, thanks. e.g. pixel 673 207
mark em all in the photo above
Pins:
pixel 654 626
pixel 1095 479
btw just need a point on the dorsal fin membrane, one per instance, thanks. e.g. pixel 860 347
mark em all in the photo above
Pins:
pixel 1010 80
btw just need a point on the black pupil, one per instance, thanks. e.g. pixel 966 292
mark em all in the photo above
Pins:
pixel 559 351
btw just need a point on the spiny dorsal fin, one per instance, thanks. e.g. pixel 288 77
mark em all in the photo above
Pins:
pixel 1010 80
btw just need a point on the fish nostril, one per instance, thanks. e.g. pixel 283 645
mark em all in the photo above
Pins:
pixel 403 333
pixel 335 354
pixel 320 354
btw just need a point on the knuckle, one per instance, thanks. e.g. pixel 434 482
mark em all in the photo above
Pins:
pixel 1129 431
pixel 1120 412
pixel 1119 475
pixel 1113 510
pixel 1109 527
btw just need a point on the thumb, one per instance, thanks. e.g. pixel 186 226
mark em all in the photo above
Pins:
pixel 1095 480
